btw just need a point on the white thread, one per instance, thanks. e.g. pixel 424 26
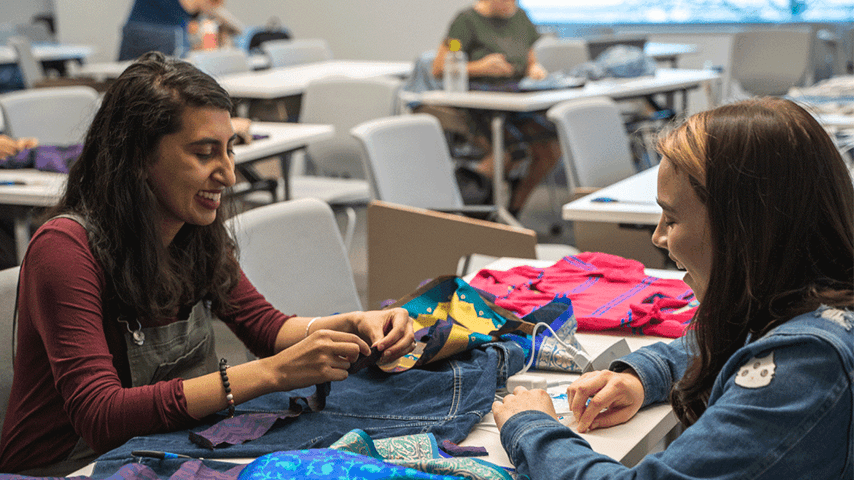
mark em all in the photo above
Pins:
pixel 572 350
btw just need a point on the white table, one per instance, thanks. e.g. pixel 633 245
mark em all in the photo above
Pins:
pixel 102 71
pixel 43 189
pixel 288 81
pixel 664 81
pixel 47 52
pixel 285 138
pixel 627 443
pixel 632 200
pixel 668 52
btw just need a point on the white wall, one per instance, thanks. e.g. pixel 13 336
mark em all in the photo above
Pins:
pixel 355 29
pixel 92 22
pixel 22 11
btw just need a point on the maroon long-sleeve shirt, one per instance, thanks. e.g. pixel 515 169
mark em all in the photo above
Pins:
pixel 71 376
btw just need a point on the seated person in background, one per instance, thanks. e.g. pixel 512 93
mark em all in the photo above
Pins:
pixel 149 20
pixel 497 36
pixel 758 208
pixel 136 255
pixel 11 146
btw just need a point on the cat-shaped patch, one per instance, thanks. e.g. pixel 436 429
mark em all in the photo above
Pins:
pixel 757 372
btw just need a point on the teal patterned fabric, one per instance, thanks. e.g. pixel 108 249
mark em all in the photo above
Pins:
pixel 357 456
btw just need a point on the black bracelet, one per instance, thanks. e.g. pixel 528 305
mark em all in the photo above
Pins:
pixel 223 366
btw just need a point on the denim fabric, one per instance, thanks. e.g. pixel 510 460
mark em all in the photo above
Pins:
pixel 446 399
pixel 798 425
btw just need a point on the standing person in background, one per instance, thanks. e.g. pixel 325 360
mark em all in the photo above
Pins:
pixel 758 208
pixel 156 25
pixel 498 38
pixel 120 287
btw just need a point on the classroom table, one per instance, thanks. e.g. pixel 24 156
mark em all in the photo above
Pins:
pixel 43 189
pixel 627 443
pixel 48 52
pixel 668 52
pixel 666 81
pixel 102 71
pixel 283 82
pixel 631 200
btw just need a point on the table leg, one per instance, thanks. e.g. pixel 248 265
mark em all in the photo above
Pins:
pixel 498 171
pixel 285 160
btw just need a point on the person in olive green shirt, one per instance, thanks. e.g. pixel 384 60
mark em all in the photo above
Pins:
pixel 497 36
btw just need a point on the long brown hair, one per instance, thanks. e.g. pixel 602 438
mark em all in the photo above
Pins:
pixel 106 186
pixel 780 204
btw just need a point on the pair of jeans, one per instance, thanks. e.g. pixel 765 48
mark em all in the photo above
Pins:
pixel 445 398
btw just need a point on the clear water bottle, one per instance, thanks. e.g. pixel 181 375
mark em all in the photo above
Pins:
pixel 455 77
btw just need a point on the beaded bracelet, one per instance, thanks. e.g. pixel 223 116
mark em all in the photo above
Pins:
pixel 223 366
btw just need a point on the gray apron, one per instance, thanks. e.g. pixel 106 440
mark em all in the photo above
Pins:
pixel 183 349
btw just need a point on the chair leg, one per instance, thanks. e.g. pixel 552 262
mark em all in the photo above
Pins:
pixel 350 229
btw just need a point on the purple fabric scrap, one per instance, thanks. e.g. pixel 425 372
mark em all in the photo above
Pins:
pixel 249 426
pixel 47 158
pixel 189 470
pixel 455 450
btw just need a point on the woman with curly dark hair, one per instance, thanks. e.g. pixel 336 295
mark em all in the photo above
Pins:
pixel 119 288
pixel 758 208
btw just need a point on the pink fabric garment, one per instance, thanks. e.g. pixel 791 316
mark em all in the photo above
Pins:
pixel 607 292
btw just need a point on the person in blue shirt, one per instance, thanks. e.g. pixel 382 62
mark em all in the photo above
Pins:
pixel 162 26
pixel 758 209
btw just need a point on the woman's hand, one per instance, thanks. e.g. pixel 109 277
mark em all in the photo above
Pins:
pixel 323 356
pixel 620 395
pixel 10 146
pixel 522 400
pixel 537 72
pixel 388 330
pixel 492 65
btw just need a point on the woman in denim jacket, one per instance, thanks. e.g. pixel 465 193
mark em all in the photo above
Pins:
pixel 758 208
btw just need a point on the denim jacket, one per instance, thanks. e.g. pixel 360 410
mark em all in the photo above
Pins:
pixel 781 407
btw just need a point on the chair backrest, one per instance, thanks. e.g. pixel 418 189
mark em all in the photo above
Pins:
pixel 8 291
pixel 284 53
pixel 140 37
pixel 217 63
pixel 344 103
pixel 37 32
pixel 593 141
pixel 31 71
pixel 599 44
pixel 409 162
pixel 294 255
pixel 770 61
pixel 56 115
pixel 561 54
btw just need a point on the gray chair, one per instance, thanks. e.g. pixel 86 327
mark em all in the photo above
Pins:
pixel 139 38
pixel 55 115
pixel 770 61
pixel 31 71
pixel 561 54
pixel 217 63
pixel 408 163
pixel 8 292
pixel 593 141
pixel 284 53
pixel 339 178
pixel 344 103
pixel 294 255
